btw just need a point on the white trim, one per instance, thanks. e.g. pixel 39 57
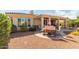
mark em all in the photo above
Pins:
pixel 49 21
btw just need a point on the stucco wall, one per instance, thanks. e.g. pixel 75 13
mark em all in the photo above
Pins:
pixel 37 22
pixel 35 19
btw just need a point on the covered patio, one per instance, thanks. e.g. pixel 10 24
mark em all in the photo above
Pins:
pixel 53 20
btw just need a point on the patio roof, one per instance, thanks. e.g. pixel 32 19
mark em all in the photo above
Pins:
pixel 35 15
pixel 53 17
pixel 22 15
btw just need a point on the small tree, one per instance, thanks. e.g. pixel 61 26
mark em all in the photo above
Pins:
pixel 5 29
pixel 71 23
pixel 77 22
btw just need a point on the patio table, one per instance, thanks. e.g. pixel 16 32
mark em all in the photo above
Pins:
pixel 49 29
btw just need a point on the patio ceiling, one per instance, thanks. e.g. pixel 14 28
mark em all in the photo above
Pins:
pixel 53 17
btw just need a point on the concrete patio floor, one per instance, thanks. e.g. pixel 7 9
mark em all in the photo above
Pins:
pixel 24 40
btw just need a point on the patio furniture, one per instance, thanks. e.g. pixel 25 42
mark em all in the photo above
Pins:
pixel 49 29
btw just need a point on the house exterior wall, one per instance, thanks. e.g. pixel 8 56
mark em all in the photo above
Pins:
pixel 37 22
pixel 16 16
pixel 15 21
pixel 36 19
pixel 61 21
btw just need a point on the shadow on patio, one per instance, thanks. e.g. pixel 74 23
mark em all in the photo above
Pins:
pixel 21 34
pixel 65 38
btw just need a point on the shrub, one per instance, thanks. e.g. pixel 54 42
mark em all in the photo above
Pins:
pixel 23 29
pixel 14 28
pixel 75 33
pixel 33 28
pixel 5 29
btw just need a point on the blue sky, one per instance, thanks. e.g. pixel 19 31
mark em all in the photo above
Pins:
pixel 66 13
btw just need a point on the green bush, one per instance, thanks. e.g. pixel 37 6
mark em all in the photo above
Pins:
pixel 23 27
pixel 75 33
pixel 33 28
pixel 73 23
pixel 14 28
pixel 5 29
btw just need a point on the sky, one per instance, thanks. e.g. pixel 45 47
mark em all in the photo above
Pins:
pixel 66 13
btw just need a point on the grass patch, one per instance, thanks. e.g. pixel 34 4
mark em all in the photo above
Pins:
pixel 75 33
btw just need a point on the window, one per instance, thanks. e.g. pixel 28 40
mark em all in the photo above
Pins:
pixel 22 19
pixel 19 22
pixel 24 22
pixel 29 20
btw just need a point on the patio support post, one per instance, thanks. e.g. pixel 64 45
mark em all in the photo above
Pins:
pixel 49 22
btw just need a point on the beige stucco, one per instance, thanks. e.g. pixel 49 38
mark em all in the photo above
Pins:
pixel 61 21
pixel 37 22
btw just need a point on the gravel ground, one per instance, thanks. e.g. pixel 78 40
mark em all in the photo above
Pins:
pixel 27 40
